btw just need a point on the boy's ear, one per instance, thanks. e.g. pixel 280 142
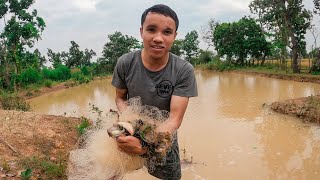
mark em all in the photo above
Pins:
pixel 141 30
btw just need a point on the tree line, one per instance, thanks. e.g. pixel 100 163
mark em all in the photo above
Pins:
pixel 276 30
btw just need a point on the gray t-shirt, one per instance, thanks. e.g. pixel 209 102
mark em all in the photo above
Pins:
pixel 155 88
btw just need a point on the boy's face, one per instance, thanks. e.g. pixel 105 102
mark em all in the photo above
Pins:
pixel 158 33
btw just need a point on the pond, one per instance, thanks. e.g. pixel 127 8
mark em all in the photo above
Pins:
pixel 228 130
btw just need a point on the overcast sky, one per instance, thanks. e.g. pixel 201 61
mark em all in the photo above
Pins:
pixel 88 22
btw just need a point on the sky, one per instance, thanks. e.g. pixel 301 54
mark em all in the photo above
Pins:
pixel 89 22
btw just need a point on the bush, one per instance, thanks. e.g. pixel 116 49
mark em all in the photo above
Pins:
pixel 48 83
pixel 80 78
pixel 61 73
pixel 29 76
pixel 13 102
pixel 205 57
pixel 85 71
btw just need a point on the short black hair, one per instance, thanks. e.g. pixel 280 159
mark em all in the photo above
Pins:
pixel 161 9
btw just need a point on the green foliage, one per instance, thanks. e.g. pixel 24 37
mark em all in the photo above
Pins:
pixel 29 76
pixel 22 29
pixel 288 21
pixel 117 45
pixel 176 47
pixel 26 175
pixel 61 73
pixel 205 57
pixel 315 72
pixel 102 67
pixel 241 40
pixel 48 83
pixel 190 45
pixel 56 58
pixel 85 70
pixel 13 102
pixel 219 65
pixel 83 125
pixel 80 78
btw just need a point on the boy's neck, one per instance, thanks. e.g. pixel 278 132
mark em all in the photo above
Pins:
pixel 153 64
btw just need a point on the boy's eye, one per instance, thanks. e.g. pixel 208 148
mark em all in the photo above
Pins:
pixel 151 29
pixel 167 32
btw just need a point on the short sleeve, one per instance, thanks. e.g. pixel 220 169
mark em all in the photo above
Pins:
pixel 118 79
pixel 186 84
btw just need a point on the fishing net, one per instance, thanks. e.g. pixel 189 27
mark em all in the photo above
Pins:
pixel 98 156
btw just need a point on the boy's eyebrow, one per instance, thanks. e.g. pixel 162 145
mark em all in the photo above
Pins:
pixel 169 28
pixel 151 26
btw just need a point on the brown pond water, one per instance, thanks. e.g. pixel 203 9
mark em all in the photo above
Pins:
pixel 226 131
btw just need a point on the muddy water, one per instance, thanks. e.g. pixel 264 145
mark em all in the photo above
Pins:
pixel 226 132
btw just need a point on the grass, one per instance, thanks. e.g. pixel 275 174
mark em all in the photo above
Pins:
pixel 26 175
pixel 44 167
pixel 313 102
pixel 4 164
pixel 13 102
pixel 83 126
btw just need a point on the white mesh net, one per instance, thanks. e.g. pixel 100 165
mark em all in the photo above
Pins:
pixel 98 156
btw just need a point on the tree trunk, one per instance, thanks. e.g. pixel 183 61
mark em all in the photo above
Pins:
pixel 295 50
pixel 317 63
pixel 263 60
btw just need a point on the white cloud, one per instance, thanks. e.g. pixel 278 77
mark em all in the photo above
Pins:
pixel 85 5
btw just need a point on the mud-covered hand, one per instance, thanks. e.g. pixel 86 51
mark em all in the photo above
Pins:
pixel 130 145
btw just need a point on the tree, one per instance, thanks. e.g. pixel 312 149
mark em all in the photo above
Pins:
pixel 176 48
pixel 88 54
pixel 21 30
pixel 288 19
pixel 205 56
pixel 117 45
pixel 208 31
pixel 56 58
pixel 41 59
pixel 75 56
pixel 240 40
pixel 316 63
pixel 190 45
pixel 316 6
pixel 223 39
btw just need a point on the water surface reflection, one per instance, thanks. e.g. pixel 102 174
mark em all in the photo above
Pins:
pixel 226 130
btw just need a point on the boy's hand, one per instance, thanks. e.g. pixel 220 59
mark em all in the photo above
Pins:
pixel 130 145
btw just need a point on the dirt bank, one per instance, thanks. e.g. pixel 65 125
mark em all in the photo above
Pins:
pixel 292 77
pixel 40 142
pixel 306 108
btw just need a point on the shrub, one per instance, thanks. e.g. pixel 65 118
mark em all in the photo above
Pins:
pixel 85 71
pixel 61 73
pixel 29 76
pixel 13 102
pixel 83 126
pixel 48 83
pixel 80 78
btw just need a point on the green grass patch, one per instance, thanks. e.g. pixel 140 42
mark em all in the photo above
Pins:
pixel 46 168
pixel 83 126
